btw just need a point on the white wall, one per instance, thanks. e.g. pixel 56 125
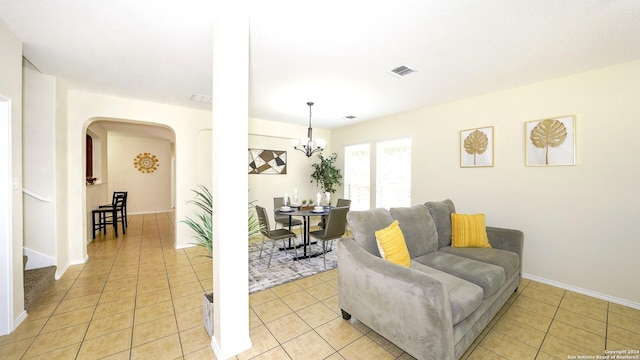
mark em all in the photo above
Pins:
pixel 39 156
pixel 44 170
pixel 147 192
pixel 579 221
pixel 12 301
pixel 62 242
pixel 204 158
pixel 269 135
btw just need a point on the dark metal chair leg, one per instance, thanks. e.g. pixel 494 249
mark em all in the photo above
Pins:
pixel 345 315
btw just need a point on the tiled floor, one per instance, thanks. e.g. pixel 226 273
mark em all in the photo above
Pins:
pixel 138 298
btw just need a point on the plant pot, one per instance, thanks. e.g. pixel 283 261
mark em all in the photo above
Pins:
pixel 207 312
pixel 306 207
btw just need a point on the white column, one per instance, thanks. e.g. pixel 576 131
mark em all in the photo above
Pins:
pixel 6 253
pixel 230 180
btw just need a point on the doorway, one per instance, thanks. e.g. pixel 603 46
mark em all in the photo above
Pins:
pixel 117 143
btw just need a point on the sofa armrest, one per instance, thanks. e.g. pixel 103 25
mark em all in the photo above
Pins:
pixel 507 239
pixel 406 306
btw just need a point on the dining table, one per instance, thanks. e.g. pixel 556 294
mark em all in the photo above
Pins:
pixel 306 225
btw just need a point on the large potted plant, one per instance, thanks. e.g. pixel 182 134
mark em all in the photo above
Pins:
pixel 202 225
pixel 325 173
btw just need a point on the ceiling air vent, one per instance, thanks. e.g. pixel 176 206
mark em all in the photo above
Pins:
pixel 202 98
pixel 402 71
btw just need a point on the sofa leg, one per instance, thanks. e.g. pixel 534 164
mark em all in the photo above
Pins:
pixel 345 315
pixel 516 290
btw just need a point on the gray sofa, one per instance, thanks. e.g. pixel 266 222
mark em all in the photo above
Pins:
pixel 436 308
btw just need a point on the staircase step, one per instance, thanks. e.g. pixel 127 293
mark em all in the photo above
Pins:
pixel 36 283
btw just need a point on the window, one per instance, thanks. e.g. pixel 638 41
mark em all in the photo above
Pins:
pixel 89 157
pixel 393 173
pixel 357 170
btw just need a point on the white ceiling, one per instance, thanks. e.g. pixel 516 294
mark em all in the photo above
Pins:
pixel 336 53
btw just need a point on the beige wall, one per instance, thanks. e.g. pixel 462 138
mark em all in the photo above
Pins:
pixel 264 134
pixel 147 192
pixel 579 221
pixel 39 156
pixel 85 108
pixel 204 158
pixel 12 312
pixel 44 169
pixel 271 135
pixel 62 247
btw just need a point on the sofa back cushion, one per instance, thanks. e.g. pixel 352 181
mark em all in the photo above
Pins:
pixel 469 231
pixel 441 213
pixel 418 228
pixel 364 224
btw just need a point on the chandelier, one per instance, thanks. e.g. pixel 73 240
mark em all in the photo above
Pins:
pixel 309 146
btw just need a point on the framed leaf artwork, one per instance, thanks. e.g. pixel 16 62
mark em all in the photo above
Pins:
pixel 551 141
pixel 476 147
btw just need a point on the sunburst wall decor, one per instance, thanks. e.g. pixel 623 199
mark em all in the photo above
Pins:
pixel 146 163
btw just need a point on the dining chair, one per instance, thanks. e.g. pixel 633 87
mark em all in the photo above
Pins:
pixel 334 229
pixel 274 235
pixel 339 203
pixel 109 215
pixel 123 208
pixel 283 220
pixel 343 202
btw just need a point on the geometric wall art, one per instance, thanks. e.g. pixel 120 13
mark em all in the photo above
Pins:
pixel 267 161
pixel 146 163
pixel 551 141
pixel 476 147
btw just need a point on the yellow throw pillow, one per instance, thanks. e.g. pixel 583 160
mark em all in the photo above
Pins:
pixel 469 231
pixel 392 246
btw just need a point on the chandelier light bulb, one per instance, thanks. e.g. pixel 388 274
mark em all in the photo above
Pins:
pixel 307 145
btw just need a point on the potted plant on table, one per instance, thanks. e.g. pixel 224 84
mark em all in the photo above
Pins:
pixel 202 225
pixel 325 173
pixel 307 205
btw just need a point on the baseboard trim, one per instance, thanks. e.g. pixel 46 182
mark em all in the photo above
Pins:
pixel 185 246
pixel 22 317
pixel 246 345
pixel 594 294
pixel 60 271
pixel 149 212
pixel 84 260
pixel 37 259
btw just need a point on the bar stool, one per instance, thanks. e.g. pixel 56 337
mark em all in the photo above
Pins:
pixel 109 216
pixel 124 207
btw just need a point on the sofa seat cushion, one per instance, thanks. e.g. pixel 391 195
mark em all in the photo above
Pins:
pixel 464 296
pixel 488 276
pixel 508 260
pixel 418 228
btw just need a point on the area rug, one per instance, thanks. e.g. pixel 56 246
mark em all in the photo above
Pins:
pixel 284 267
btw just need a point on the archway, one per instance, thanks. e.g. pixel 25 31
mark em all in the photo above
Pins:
pixel 116 144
